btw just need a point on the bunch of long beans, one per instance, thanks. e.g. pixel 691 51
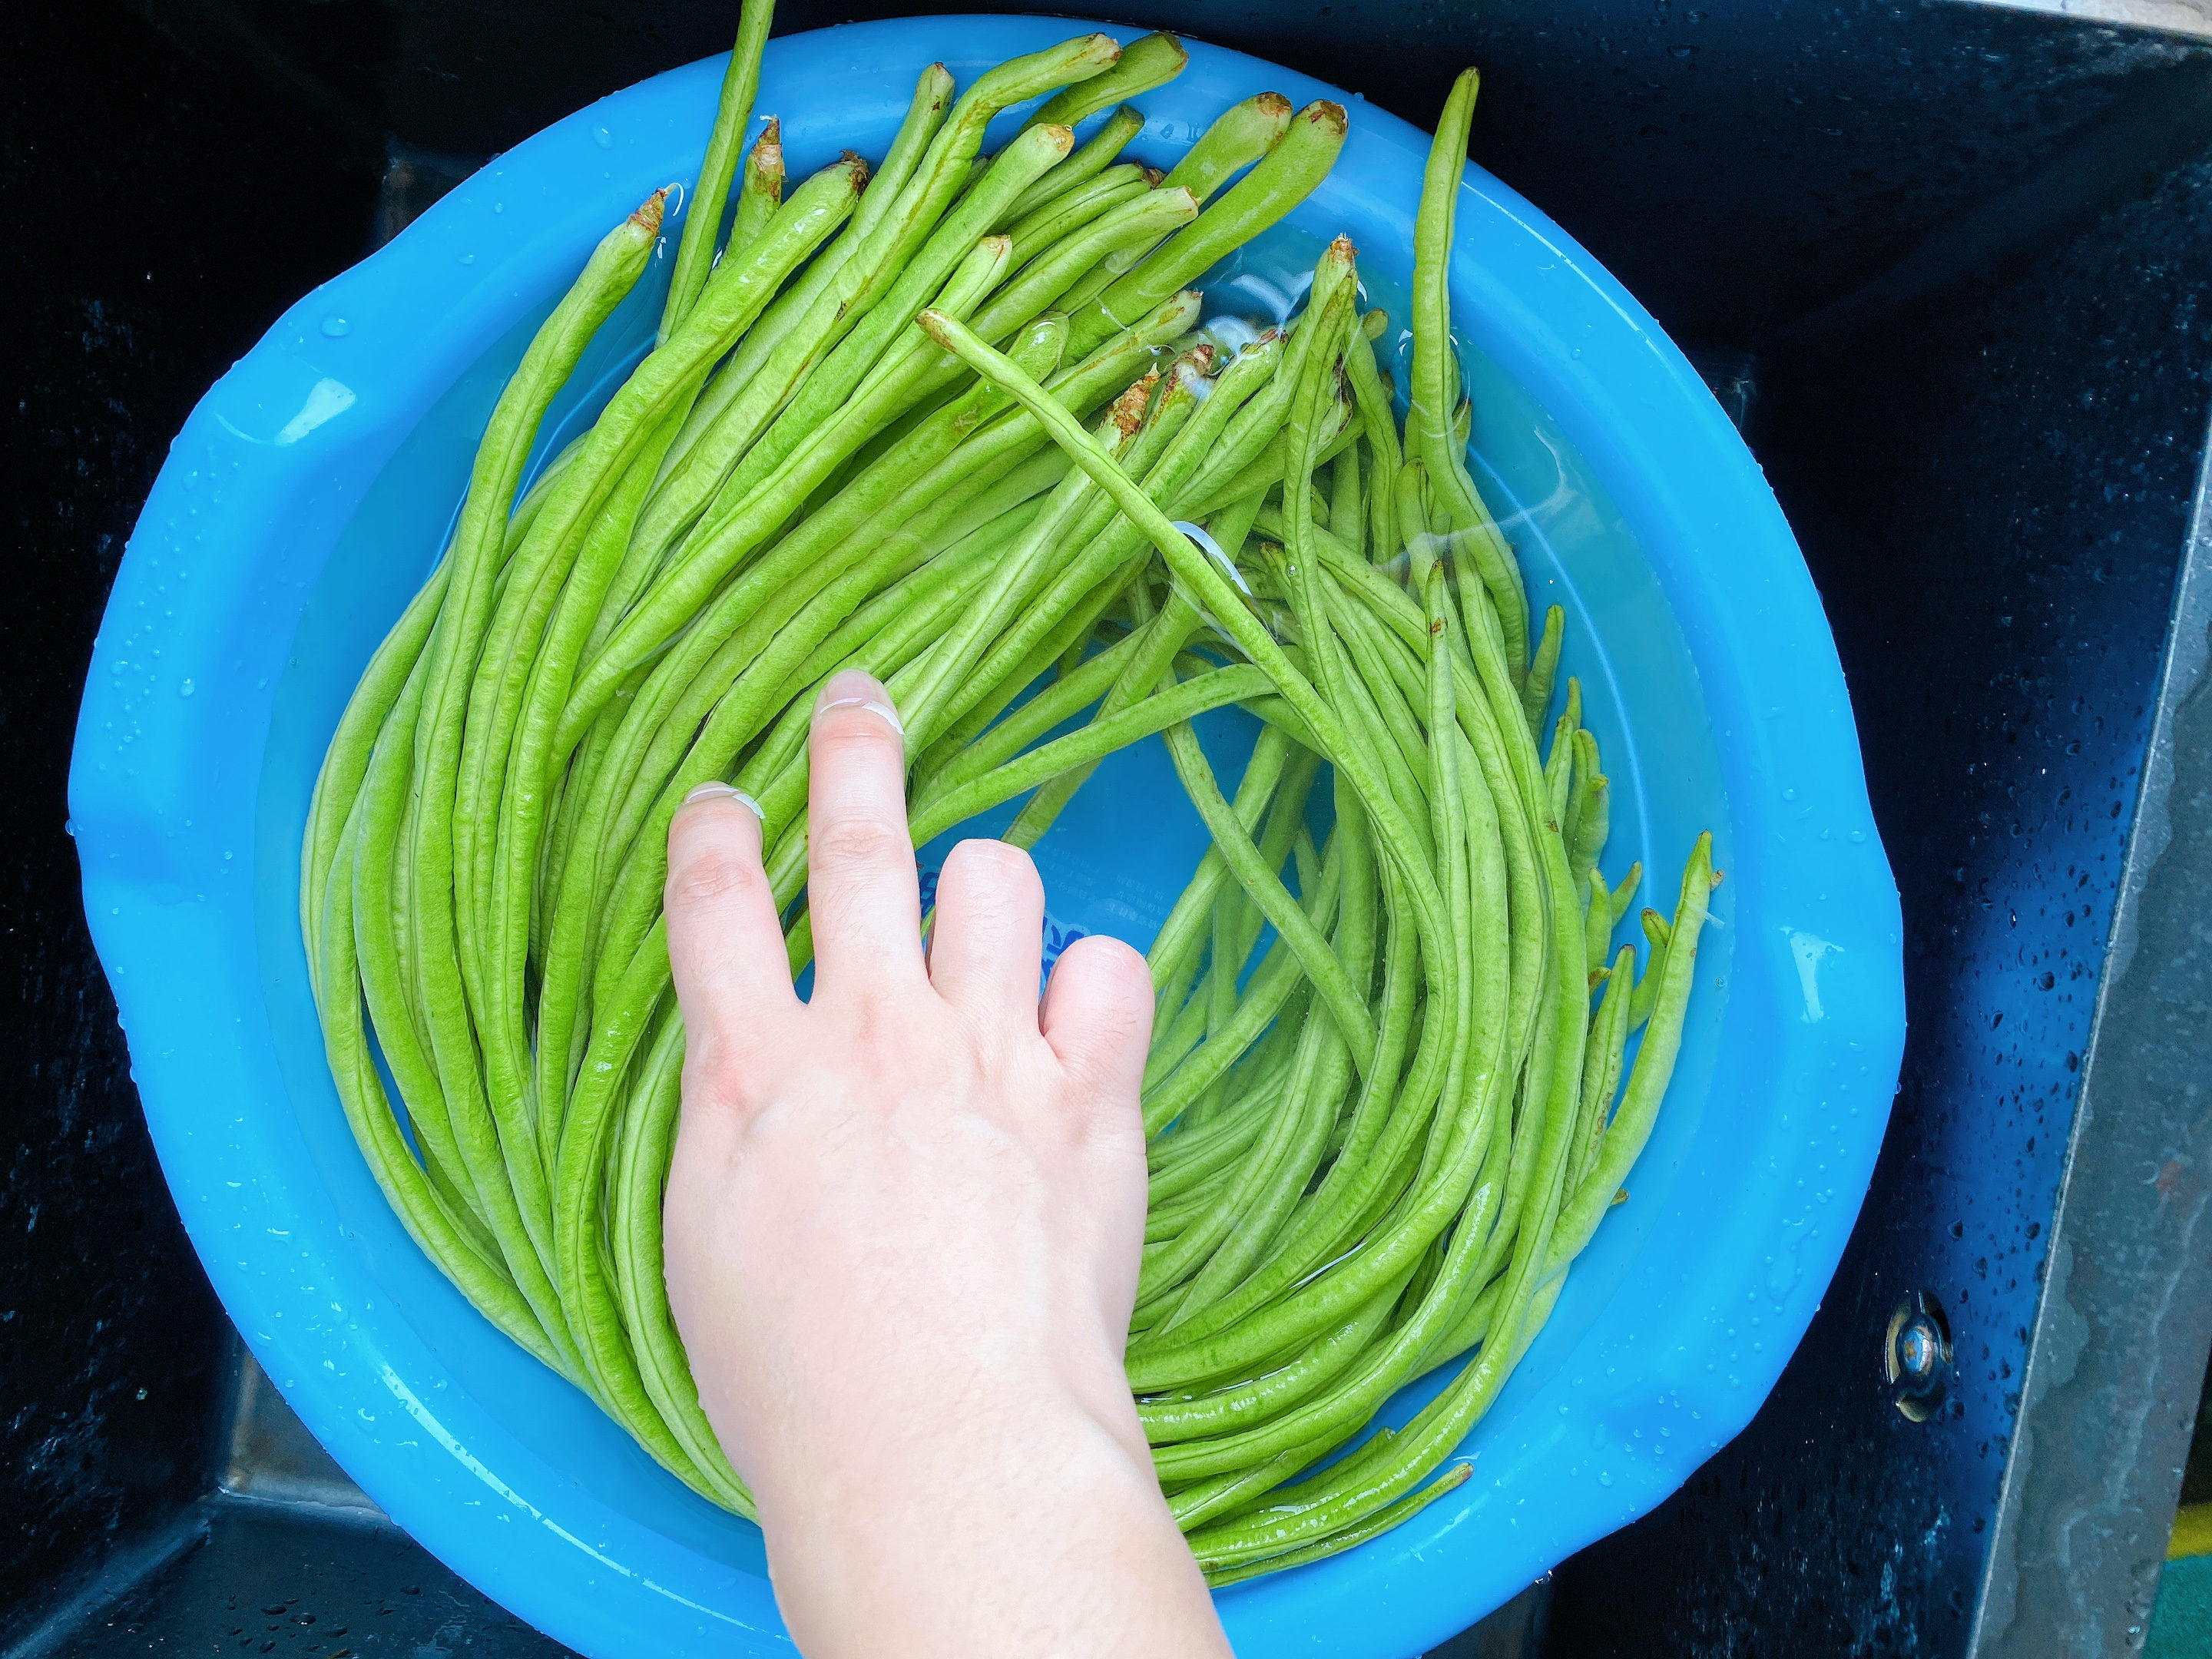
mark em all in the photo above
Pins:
pixel 943 421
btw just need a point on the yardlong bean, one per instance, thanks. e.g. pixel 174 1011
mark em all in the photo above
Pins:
pixel 1396 1081
pixel 1095 156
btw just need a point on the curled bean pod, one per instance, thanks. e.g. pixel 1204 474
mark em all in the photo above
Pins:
pixel 1240 136
pixel 1149 61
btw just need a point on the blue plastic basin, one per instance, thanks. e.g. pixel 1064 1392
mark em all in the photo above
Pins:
pixel 306 499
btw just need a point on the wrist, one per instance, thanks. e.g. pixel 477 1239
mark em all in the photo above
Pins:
pixel 846 1453
pixel 1035 1496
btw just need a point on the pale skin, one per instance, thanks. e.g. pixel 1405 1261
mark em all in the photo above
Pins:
pixel 904 1226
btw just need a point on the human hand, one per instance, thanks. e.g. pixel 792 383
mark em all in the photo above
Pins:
pixel 903 1223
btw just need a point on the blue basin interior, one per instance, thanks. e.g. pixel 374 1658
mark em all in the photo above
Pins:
pixel 308 498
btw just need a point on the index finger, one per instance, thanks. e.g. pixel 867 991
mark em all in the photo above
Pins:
pixel 724 940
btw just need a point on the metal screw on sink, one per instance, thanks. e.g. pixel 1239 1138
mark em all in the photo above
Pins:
pixel 1916 1357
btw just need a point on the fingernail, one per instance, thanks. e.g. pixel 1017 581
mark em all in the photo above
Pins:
pixel 855 689
pixel 882 711
pixel 727 792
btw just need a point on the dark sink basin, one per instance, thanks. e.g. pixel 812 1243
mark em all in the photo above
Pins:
pixel 1949 266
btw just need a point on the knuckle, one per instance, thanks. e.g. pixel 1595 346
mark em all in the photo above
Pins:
pixel 1120 969
pixel 1113 1031
pixel 853 731
pixel 990 878
pixel 999 855
pixel 709 872
pixel 859 842
pixel 1111 997
pixel 718 1067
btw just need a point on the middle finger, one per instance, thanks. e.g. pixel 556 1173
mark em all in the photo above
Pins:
pixel 861 886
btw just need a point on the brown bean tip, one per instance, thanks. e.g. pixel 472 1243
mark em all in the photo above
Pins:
pixel 1128 411
pixel 1325 114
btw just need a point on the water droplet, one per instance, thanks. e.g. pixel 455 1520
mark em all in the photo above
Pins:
pixel 185 689
pixel 1857 836
pixel 1789 795
pixel 468 258
pixel 1605 1477
pixel 337 327
pixel 603 138
pixel 1681 54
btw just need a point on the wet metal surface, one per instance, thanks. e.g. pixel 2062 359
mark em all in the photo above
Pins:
pixel 2118 1350
pixel 270 1458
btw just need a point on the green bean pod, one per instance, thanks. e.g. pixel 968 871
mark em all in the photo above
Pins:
pixel 1240 136
pixel 932 95
pixel 1632 1124
pixel 1435 394
pixel 1283 178
pixel 1095 155
pixel 733 111
pixel 760 187
pixel 1148 62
